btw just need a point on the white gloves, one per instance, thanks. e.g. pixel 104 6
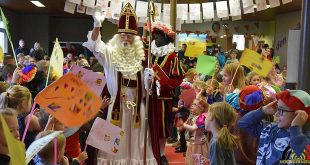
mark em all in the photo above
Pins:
pixel 158 88
pixel 98 16
pixel 148 77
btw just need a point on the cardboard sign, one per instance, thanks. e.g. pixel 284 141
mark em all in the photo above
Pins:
pixel 57 59
pixel 69 100
pixel 105 136
pixel 256 62
pixel 39 144
pixel 16 148
pixel 94 81
pixel 206 64
pixel 188 97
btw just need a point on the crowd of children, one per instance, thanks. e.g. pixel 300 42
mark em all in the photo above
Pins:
pixel 248 119
pixel 236 117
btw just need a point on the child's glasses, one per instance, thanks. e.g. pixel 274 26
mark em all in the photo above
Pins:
pixel 281 111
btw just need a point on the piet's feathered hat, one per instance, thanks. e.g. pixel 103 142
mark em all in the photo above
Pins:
pixel 128 20
pixel 160 26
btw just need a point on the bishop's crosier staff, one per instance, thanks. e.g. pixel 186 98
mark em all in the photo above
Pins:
pixel 151 15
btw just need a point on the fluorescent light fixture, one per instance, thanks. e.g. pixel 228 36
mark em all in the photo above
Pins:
pixel 37 3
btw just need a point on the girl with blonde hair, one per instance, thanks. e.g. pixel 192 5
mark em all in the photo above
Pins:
pixel 233 77
pixel 221 117
pixel 198 143
pixel 19 98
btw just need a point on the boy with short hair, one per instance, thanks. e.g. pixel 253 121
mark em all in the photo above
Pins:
pixel 286 140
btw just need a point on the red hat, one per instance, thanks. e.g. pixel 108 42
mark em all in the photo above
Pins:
pixel 128 20
pixel 251 98
pixel 295 99
pixel 166 29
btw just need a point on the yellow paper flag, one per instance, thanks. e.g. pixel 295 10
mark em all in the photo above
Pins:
pixel 16 148
pixel 1 55
pixel 256 62
pixel 57 59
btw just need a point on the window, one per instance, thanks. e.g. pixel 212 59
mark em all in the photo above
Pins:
pixel 240 40
pixel 3 38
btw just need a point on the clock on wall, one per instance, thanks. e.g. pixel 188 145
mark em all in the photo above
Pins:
pixel 216 27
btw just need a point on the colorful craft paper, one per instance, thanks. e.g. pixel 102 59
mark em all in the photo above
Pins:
pixel 39 144
pixel 206 64
pixel 188 97
pixel 256 62
pixel 57 59
pixel 94 81
pixel 69 100
pixel 196 44
pixel 105 136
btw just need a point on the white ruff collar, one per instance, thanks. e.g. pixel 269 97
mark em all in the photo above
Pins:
pixel 163 50
pixel 127 61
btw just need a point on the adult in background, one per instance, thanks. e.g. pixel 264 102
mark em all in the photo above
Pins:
pixel 36 47
pixel 122 60
pixel 21 48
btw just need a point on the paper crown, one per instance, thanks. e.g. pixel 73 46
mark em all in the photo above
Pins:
pixel 157 25
pixel 251 98
pixel 295 100
pixel 128 20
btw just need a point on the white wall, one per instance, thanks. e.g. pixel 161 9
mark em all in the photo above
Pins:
pixel 284 23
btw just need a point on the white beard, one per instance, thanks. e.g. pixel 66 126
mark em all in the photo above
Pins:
pixel 127 59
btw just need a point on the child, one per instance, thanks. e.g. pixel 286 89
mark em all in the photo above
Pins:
pixel 200 87
pixel 253 79
pixel 10 117
pixel 46 155
pixel 233 85
pixel 182 113
pixel 198 143
pixel 232 57
pixel 19 98
pixel 287 139
pixel 221 117
pixel 213 94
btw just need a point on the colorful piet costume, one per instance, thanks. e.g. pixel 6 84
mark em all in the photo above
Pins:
pixel 168 75
pixel 124 71
pixel 164 59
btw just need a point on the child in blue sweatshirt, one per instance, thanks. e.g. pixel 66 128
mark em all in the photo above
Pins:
pixel 286 141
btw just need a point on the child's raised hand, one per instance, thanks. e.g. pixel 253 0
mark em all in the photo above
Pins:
pixel 300 118
pixel 175 109
pixel 64 161
pixel 82 157
pixel 105 102
pixel 271 108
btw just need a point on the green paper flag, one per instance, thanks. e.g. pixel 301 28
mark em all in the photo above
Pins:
pixel 206 64
pixel 6 26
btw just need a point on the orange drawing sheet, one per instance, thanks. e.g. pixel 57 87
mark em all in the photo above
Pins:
pixel 69 100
